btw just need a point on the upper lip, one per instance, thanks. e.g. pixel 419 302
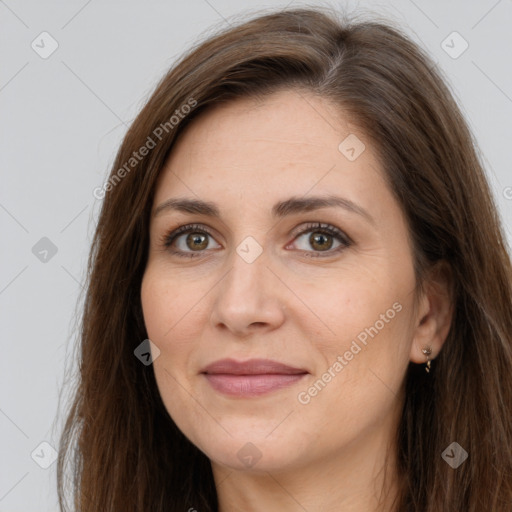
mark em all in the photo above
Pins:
pixel 251 367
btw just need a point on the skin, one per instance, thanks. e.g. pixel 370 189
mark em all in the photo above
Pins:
pixel 302 311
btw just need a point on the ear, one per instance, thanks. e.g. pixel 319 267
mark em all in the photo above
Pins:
pixel 435 312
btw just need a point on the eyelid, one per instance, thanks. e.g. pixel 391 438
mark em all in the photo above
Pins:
pixel 320 226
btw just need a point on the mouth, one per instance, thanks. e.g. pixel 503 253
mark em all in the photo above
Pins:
pixel 251 378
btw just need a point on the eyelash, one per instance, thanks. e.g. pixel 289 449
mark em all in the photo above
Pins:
pixel 168 238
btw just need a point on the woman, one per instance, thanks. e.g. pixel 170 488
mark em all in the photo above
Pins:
pixel 299 294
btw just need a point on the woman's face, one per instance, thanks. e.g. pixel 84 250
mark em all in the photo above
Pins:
pixel 326 291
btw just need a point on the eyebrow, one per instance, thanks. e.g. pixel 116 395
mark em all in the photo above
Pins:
pixel 281 209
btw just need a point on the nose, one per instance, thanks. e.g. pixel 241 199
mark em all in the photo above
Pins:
pixel 249 298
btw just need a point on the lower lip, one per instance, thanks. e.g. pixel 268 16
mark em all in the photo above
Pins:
pixel 251 385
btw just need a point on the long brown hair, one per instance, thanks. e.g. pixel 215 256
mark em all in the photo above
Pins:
pixel 125 450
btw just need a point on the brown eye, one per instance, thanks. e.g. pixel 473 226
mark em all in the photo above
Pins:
pixel 321 238
pixel 197 241
pixel 321 241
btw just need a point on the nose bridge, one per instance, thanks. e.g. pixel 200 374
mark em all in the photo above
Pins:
pixel 248 271
pixel 247 295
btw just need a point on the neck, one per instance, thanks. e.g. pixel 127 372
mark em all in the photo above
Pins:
pixel 357 478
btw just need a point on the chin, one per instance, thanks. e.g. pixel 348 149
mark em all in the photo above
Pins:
pixel 253 453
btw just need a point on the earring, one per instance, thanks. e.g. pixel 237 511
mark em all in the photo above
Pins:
pixel 427 351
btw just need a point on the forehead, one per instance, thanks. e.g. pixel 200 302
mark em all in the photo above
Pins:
pixel 286 143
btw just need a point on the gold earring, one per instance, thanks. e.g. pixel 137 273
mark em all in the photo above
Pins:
pixel 427 351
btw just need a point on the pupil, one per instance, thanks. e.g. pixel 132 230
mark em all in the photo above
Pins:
pixel 320 239
pixel 197 243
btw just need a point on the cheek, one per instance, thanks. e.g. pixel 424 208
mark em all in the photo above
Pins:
pixel 174 316
pixel 353 302
pixel 164 303
pixel 165 318
pixel 366 324
pixel 162 307
pixel 161 313
pixel 360 369
pixel 153 300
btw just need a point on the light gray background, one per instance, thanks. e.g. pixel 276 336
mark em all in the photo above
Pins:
pixel 62 120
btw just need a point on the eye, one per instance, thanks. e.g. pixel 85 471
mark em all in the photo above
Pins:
pixel 321 239
pixel 198 237
pixel 196 240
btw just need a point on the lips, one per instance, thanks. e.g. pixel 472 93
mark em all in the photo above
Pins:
pixel 251 367
pixel 251 378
